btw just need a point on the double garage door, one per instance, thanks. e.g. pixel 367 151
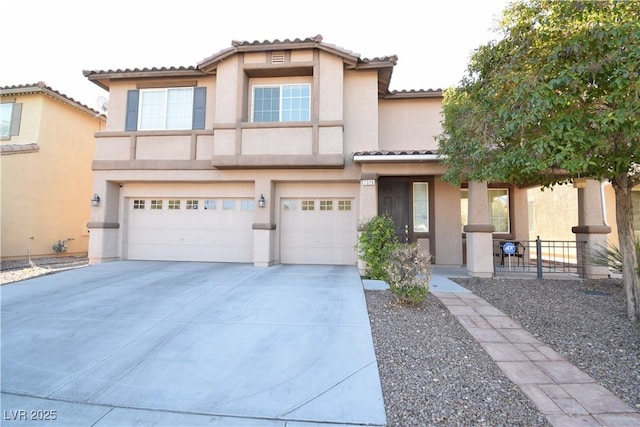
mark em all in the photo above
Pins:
pixel 190 229
pixel 309 230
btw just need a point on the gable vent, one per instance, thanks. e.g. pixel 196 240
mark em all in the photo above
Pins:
pixel 277 57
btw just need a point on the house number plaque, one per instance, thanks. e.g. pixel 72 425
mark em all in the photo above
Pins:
pixel 368 182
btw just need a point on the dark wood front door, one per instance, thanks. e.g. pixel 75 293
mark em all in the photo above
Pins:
pixel 393 199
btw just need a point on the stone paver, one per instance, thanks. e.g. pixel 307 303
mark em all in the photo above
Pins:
pixel 566 395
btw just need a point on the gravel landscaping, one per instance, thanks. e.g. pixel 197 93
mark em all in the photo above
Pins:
pixel 584 320
pixel 434 373
pixel 22 269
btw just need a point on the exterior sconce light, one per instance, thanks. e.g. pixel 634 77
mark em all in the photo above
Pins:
pixel 95 201
pixel 261 201
pixel 579 182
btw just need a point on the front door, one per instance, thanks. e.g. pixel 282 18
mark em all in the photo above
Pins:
pixel 393 199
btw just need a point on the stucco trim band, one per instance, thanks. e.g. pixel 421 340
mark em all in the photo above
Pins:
pixel 303 161
pixel 479 228
pixel 591 229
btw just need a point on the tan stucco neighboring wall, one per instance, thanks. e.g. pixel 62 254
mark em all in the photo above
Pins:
pixel 557 211
pixel 46 194
pixel 554 211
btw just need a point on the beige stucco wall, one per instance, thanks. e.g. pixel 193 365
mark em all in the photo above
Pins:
pixel 360 111
pixel 410 123
pixel 46 194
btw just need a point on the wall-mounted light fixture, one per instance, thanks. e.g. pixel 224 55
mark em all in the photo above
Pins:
pixel 261 201
pixel 95 200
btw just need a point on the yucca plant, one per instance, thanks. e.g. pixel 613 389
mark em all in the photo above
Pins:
pixel 609 255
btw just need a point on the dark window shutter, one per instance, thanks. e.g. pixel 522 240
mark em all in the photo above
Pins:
pixel 131 122
pixel 199 107
pixel 16 114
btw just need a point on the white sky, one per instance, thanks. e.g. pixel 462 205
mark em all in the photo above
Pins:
pixel 55 40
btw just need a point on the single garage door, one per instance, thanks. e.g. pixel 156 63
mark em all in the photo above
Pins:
pixel 196 229
pixel 317 231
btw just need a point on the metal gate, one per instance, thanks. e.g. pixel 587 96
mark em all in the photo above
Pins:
pixel 539 257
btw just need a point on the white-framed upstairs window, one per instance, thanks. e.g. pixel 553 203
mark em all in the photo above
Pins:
pixel 281 103
pixel 163 109
pixel 174 108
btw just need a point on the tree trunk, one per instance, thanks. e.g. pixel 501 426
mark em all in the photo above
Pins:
pixel 624 216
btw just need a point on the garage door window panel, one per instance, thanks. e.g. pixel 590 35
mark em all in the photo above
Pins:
pixel 247 205
pixel 156 205
pixel 326 205
pixel 344 205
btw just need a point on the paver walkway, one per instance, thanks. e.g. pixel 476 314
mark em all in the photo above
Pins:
pixel 563 393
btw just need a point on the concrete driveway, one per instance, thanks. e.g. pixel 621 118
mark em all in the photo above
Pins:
pixel 168 343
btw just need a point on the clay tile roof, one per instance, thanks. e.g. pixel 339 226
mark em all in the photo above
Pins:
pixel 383 64
pixel 394 152
pixel 415 93
pixel 238 43
pixel 88 73
pixel 42 87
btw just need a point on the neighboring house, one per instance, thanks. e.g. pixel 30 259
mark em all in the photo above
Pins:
pixel 277 152
pixel 47 142
pixel 553 212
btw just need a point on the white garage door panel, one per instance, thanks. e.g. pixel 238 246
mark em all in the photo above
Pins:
pixel 310 235
pixel 214 234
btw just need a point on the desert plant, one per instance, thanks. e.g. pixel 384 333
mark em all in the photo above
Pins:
pixel 609 255
pixel 375 245
pixel 408 273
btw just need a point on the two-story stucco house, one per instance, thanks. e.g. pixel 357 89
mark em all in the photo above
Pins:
pixel 276 152
pixel 47 146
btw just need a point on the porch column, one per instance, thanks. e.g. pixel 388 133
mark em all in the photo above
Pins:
pixel 479 232
pixel 591 227
pixel 264 227
pixel 104 223
pixel 367 205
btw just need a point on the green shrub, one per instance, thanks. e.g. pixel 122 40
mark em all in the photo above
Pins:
pixel 408 273
pixel 375 245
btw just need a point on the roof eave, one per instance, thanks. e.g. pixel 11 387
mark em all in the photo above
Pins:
pixel 103 78
pixel 241 47
pixel 44 89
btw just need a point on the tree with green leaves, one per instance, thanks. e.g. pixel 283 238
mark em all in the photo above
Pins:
pixel 556 97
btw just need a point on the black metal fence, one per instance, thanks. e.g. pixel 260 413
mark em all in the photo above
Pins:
pixel 539 257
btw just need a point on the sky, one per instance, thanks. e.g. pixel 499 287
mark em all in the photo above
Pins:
pixel 55 40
